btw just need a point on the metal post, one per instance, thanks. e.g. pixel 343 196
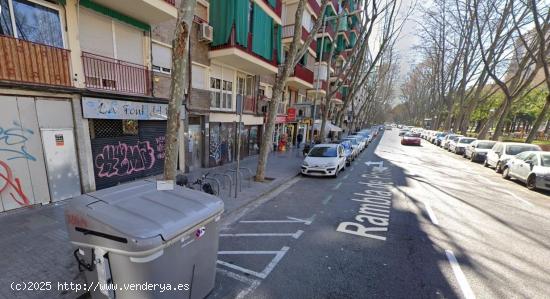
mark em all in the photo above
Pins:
pixel 318 78
pixel 240 107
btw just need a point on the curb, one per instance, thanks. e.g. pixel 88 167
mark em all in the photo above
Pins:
pixel 230 214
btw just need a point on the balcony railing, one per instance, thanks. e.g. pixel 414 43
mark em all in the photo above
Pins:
pixel 249 104
pixel 303 73
pixel 115 75
pixel 288 32
pixel 232 43
pixel 315 6
pixel 278 6
pixel 28 62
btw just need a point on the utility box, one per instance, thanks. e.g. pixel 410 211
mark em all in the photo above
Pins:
pixel 137 242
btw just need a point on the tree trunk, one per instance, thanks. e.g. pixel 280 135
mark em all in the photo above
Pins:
pixel 180 61
pixel 502 118
pixel 538 122
pixel 278 88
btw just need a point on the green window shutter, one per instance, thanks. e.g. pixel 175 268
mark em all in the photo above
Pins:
pixel 352 39
pixel 340 44
pixel 273 3
pixel 115 15
pixel 222 17
pixel 262 39
pixel 242 12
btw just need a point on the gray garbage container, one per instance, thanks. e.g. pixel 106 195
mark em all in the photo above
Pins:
pixel 136 242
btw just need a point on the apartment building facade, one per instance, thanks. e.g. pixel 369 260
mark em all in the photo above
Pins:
pixel 84 87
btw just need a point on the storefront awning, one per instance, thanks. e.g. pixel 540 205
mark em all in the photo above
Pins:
pixel 328 126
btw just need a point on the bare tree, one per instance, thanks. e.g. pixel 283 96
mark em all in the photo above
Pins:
pixel 280 82
pixel 180 61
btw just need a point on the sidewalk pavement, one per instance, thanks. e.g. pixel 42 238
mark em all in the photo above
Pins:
pixel 35 246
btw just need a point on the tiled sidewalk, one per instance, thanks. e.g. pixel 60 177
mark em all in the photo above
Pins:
pixel 35 247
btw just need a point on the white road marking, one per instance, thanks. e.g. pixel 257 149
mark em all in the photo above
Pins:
pixel 329 197
pixel 346 176
pixel 518 198
pixel 379 163
pixel 351 169
pixel 505 191
pixel 252 283
pixel 295 235
pixel 265 272
pixel 290 220
pixel 431 213
pixel 337 186
pixel 462 282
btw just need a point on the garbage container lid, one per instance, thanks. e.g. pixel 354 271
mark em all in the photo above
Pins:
pixel 139 211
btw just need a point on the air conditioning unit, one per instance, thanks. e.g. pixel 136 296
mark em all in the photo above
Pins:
pixel 207 33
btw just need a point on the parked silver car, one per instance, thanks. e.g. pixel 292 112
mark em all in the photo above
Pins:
pixel 477 150
pixel 501 152
pixel 459 146
pixel 448 139
pixel 531 167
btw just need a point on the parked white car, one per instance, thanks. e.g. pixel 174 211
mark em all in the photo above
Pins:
pixel 501 152
pixel 459 146
pixel 477 150
pixel 448 139
pixel 324 160
pixel 532 168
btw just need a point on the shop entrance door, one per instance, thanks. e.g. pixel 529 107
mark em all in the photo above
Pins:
pixel 194 147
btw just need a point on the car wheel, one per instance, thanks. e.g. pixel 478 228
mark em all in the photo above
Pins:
pixel 498 168
pixel 531 182
pixel 506 173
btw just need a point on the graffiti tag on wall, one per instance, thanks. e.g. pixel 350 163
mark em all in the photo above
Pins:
pixel 12 185
pixel 124 159
pixel 13 141
pixel 161 144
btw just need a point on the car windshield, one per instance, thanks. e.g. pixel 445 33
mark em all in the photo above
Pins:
pixel 545 160
pixel 352 140
pixel 516 149
pixel 466 140
pixel 323 151
pixel 412 135
pixel 485 145
pixel 454 138
pixel 346 144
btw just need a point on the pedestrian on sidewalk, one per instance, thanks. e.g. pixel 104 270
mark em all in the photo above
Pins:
pixel 299 139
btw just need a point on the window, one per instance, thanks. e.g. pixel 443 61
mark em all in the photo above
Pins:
pixel 5 19
pixel 109 128
pixel 198 77
pixel 162 58
pixel 222 93
pixel 33 22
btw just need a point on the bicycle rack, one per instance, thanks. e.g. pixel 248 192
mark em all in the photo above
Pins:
pixel 250 173
pixel 240 181
pixel 228 177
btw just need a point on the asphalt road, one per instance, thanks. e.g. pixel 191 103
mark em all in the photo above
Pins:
pixel 424 223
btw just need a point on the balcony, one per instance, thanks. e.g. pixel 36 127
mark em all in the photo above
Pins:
pixel 28 62
pixel 329 32
pixel 240 57
pixel 314 6
pixel 301 78
pixel 337 98
pixel 274 9
pixel 317 93
pixel 109 74
pixel 288 33
pixel 148 11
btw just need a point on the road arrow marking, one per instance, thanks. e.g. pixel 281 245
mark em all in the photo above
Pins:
pixel 265 272
pixel 379 163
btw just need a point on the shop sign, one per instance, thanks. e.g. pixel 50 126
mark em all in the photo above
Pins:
pixel 291 114
pixel 115 109
pixel 281 119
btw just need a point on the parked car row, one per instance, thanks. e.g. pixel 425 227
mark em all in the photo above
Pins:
pixel 524 162
pixel 329 159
